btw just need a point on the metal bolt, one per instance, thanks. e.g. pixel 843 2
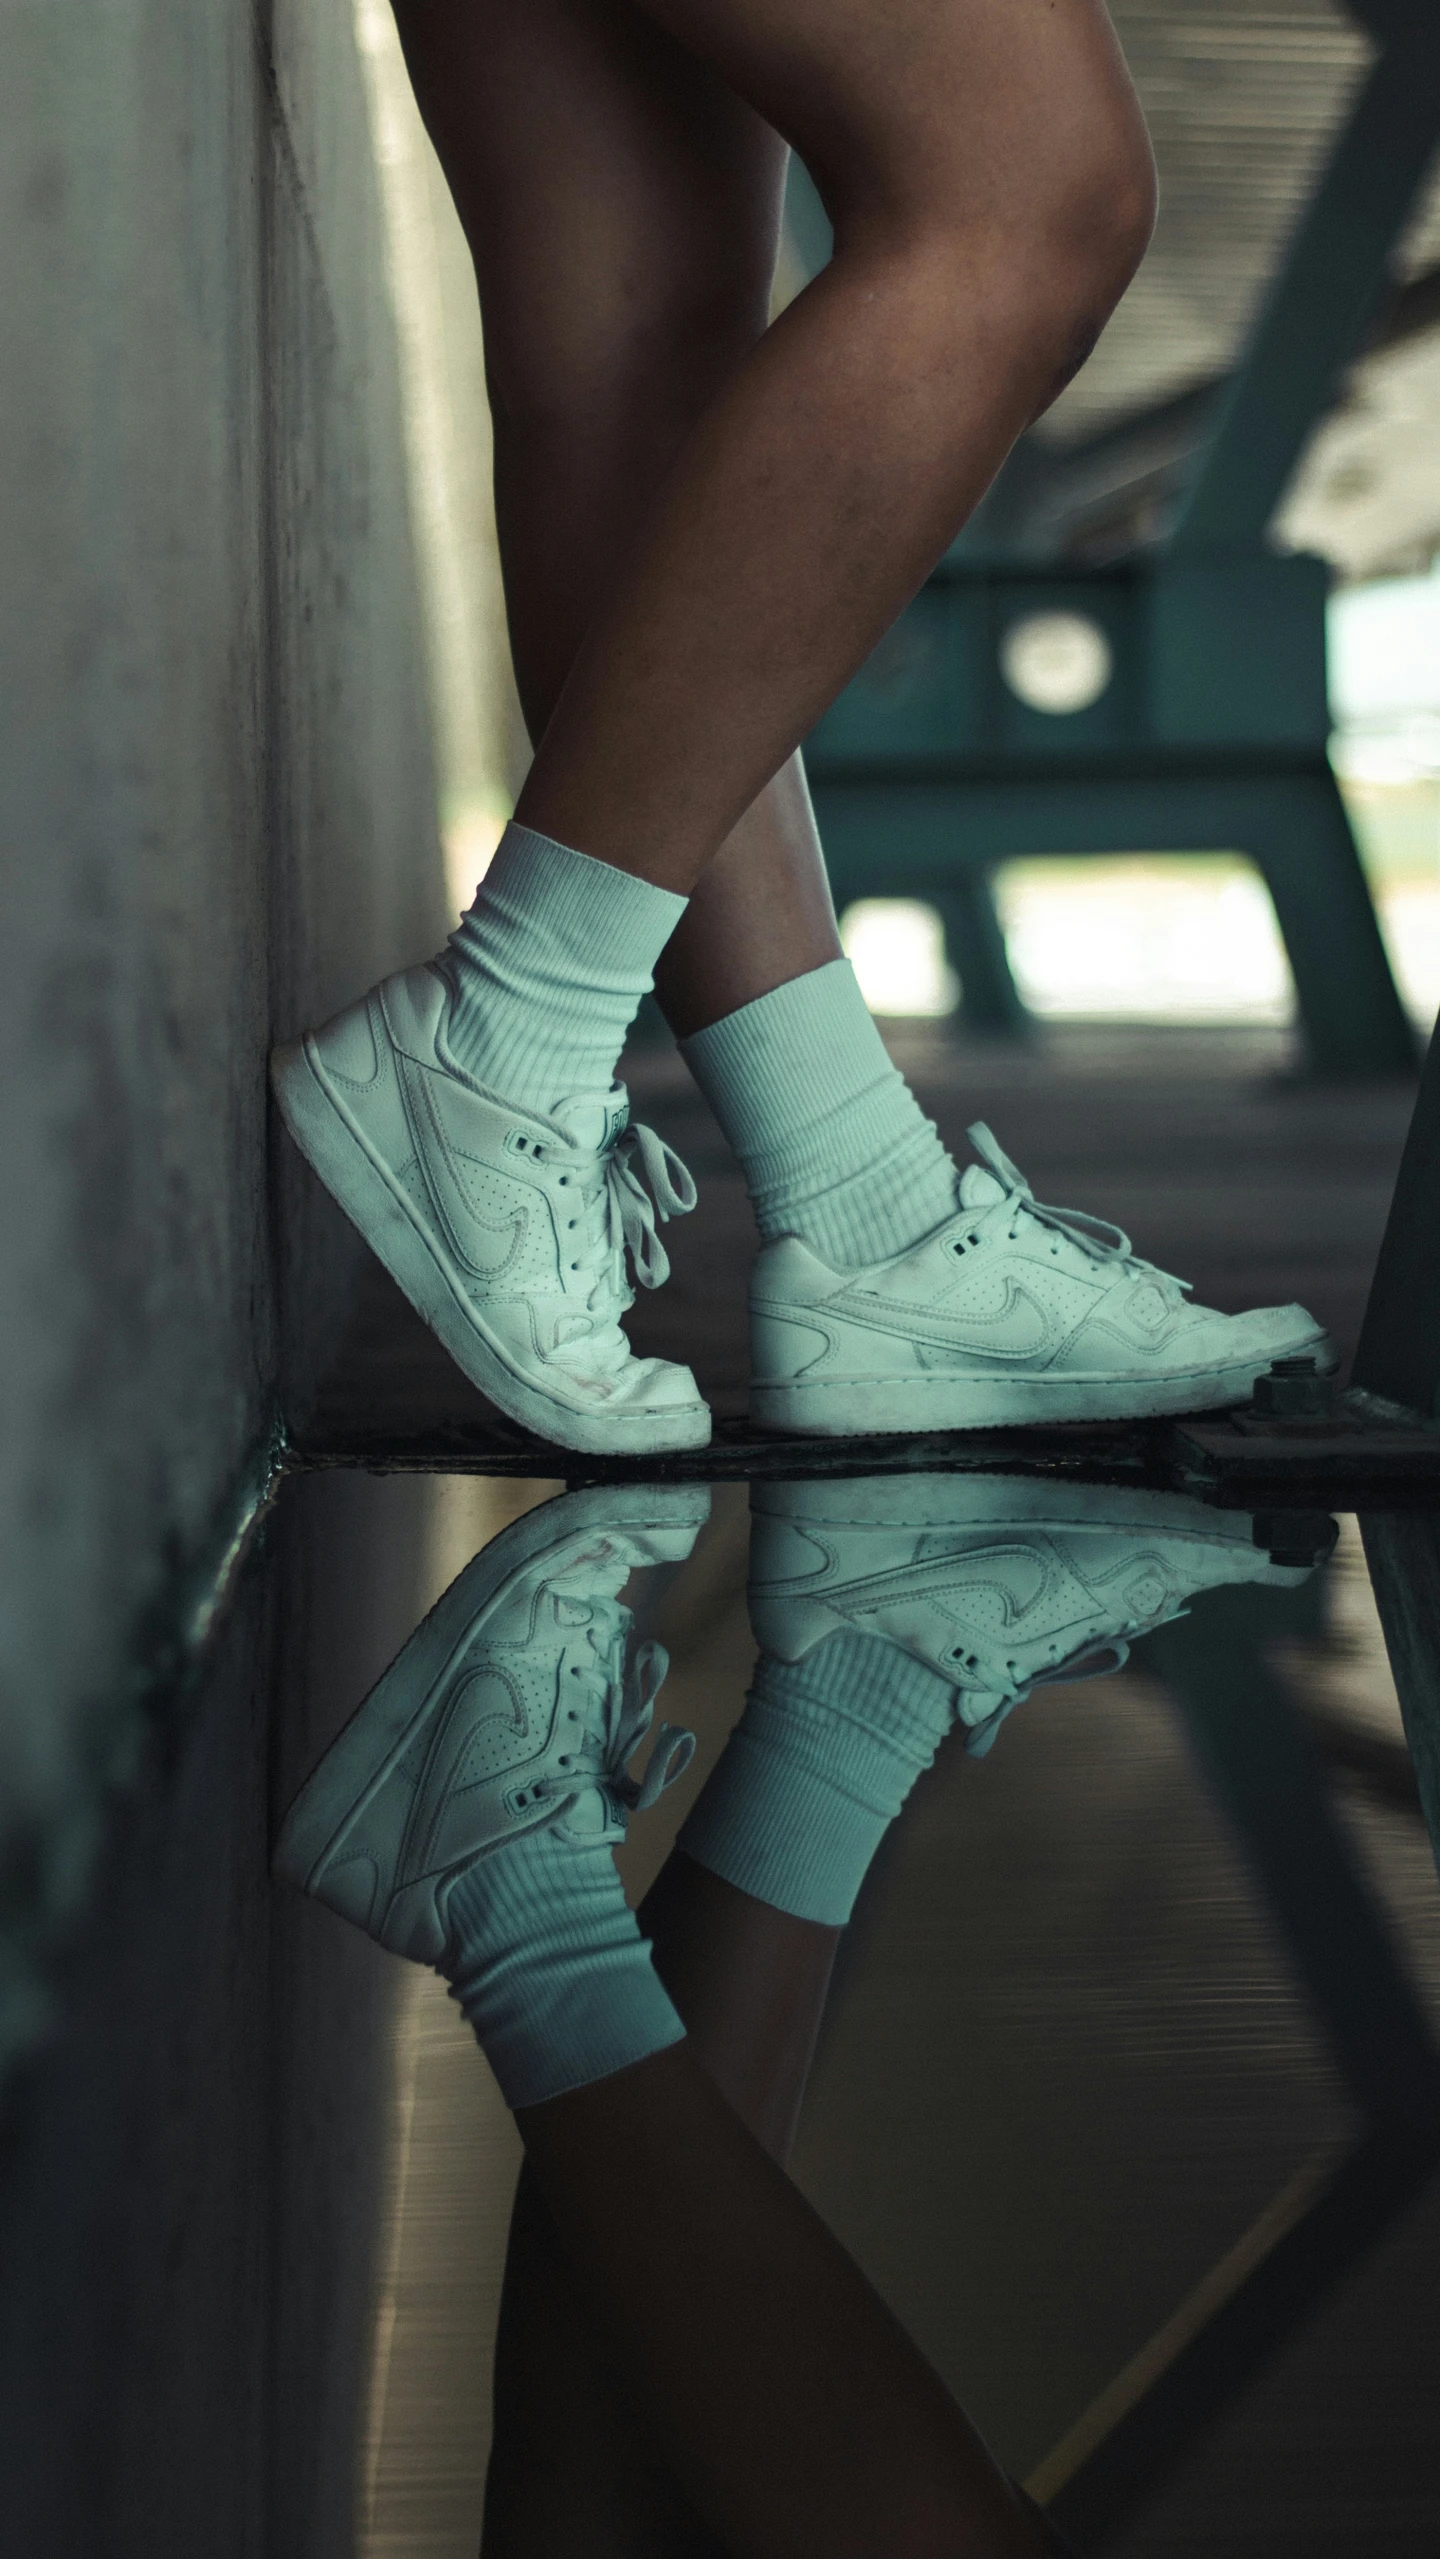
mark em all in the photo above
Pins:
pixel 1294 1389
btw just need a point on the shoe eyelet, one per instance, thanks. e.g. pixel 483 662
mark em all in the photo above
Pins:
pixel 564 1181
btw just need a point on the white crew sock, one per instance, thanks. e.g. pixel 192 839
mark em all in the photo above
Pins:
pixel 834 1145
pixel 547 968
pixel 550 1967
pixel 816 1770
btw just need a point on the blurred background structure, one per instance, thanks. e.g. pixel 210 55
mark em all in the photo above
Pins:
pixel 1125 650
pixel 259 740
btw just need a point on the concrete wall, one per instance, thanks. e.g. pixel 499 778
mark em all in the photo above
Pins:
pixel 217 813
pixel 192 2171
pixel 217 821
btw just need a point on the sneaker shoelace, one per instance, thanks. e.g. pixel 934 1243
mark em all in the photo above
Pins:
pixel 618 1214
pixel 1096 1657
pixel 618 1706
pixel 1095 1237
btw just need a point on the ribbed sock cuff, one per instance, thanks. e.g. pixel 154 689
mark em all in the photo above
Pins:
pixel 799 1054
pixel 834 1145
pixel 547 968
pixel 551 1970
pixel 900 1183
pixel 820 1763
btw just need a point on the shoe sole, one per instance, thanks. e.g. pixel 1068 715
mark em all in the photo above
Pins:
pixel 840 1408
pixel 1006 1501
pixel 337 1149
pixel 384 1725
pixel 784 1615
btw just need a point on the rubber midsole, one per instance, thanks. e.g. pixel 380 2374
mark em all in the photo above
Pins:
pixel 357 1178
pixel 836 1406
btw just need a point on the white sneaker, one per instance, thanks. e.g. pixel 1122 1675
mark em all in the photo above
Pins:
pixel 507 1230
pixel 510 1709
pixel 1011 1312
pixel 998 1583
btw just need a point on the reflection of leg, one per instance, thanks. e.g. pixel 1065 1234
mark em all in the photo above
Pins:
pixel 750 1983
pixel 792 1816
pixel 465 1817
pixel 791 2407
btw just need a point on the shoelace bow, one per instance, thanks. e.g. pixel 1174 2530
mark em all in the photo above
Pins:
pixel 1099 1657
pixel 628 1210
pixel 639 1157
pixel 624 1709
pixel 1096 1237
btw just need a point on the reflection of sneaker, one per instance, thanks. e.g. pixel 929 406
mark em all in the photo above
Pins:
pixel 999 1583
pixel 506 1230
pixel 1010 1313
pixel 510 1710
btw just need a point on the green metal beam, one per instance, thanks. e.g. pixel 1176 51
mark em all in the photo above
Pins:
pixel 1326 291
pixel 1399 1349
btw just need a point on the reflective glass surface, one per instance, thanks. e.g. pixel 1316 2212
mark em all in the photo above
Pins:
pixel 1120 2085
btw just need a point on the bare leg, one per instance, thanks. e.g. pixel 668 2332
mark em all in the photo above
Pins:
pixel 990 184
pixel 582 145
pixel 587 151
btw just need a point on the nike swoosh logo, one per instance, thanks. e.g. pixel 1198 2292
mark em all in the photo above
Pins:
pixel 958 1575
pixel 1035 1331
pixel 458 1220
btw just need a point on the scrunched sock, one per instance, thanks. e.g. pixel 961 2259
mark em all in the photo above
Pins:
pixel 835 1148
pixel 548 1965
pixel 816 1770
pixel 547 968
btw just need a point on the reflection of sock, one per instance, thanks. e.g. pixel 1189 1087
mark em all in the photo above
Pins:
pixel 550 1967
pixel 546 969
pixel 816 1770
pixel 835 1147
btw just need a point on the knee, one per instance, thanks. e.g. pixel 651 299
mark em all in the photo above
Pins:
pixel 1093 215
pixel 1040 220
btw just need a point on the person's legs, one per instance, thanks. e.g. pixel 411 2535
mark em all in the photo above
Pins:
pixel 622 205
pixel 991 189
pixel 581 143
pixel 985 219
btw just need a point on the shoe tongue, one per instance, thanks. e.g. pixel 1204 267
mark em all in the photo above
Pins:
pixel 979 1189
pixel 592 1120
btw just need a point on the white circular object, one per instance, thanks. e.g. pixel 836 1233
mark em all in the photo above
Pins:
pixel 1056 662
